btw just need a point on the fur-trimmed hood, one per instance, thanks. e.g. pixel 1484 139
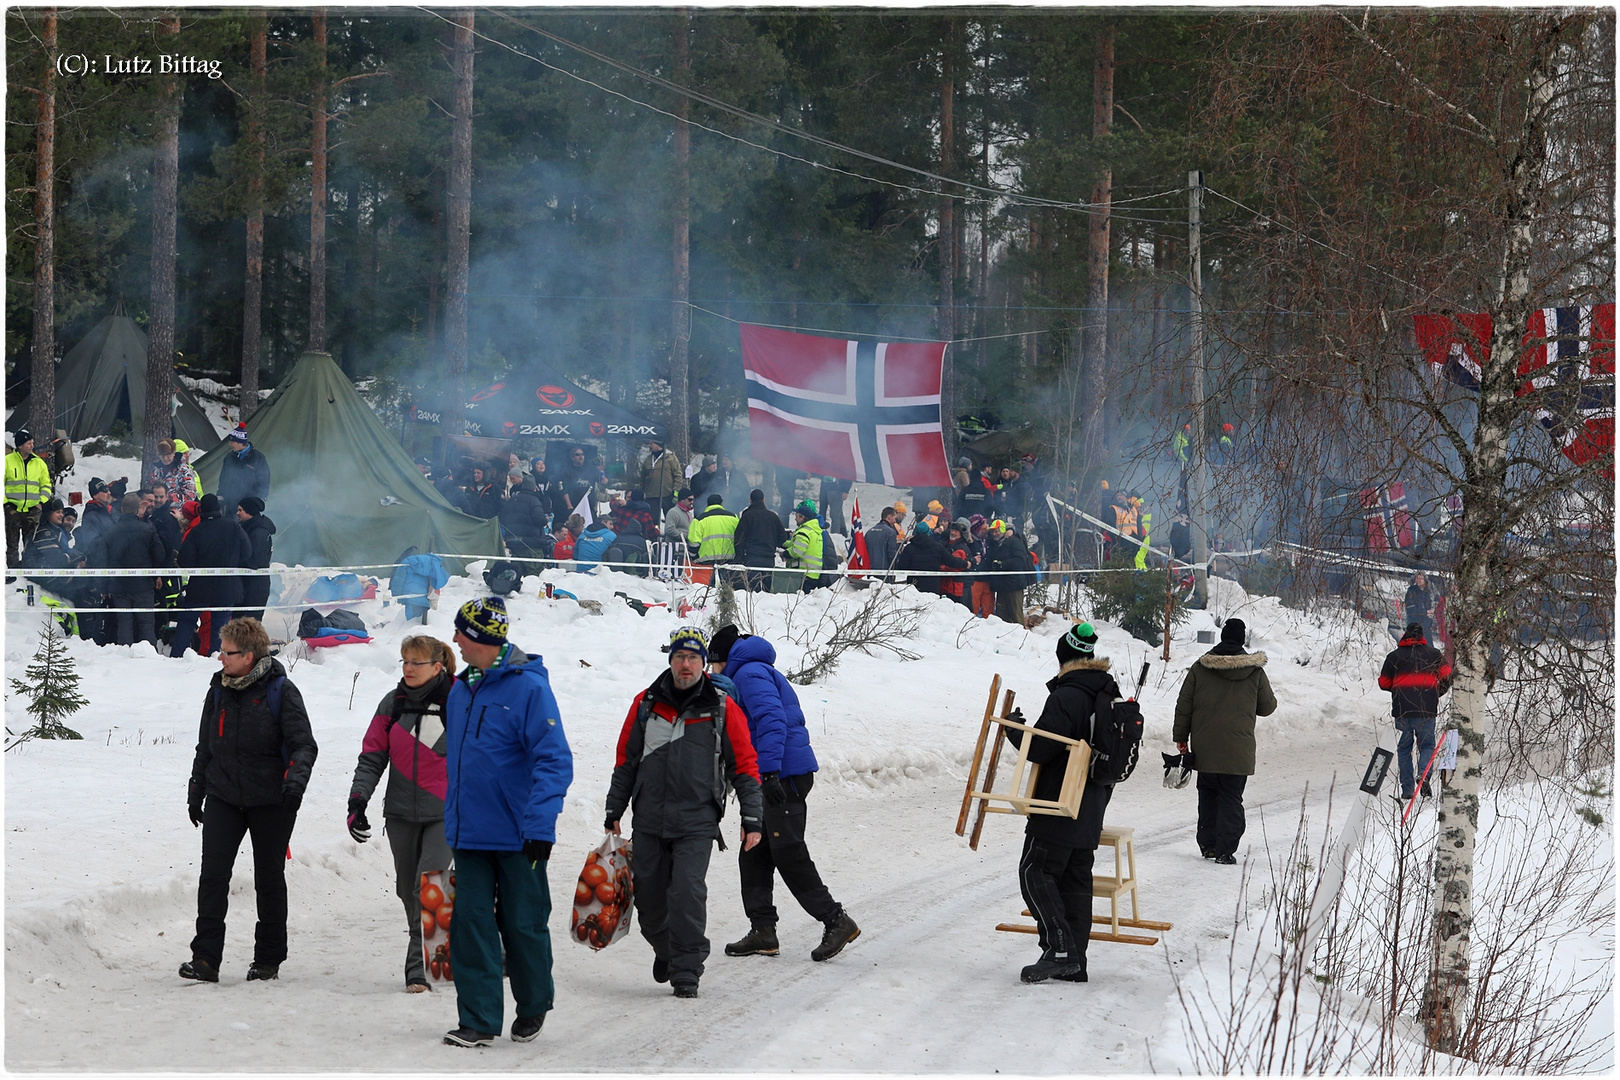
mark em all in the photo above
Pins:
pixel 1097 663
pixel 1234 666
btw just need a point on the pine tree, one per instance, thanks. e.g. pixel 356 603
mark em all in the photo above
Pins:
pixel 51 687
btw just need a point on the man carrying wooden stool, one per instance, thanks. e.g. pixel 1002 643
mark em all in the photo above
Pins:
pixel 1054 872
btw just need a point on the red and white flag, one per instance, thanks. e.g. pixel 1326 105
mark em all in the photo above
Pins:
pixel 1389 522
pixel 857 410
pixel 859 558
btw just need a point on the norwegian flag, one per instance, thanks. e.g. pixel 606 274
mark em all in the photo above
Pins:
pixel 1567 363
pixel 1569 370
pixel 859 559
pixel 1389 523
pixel 857 410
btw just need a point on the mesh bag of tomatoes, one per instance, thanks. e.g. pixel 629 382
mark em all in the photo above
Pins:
pixel 438 897
pixel 602 897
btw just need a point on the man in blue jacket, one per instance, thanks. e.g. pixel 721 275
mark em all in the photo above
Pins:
pixel 787 769
pixel 508 767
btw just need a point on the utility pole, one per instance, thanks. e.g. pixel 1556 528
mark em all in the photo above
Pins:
pixel 1197 512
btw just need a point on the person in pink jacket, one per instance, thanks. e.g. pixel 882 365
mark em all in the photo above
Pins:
pixel 407 738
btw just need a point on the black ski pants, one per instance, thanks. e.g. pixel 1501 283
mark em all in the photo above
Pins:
pixel 223 827
pixel 782 850
pixel 672 896
pixel 134 626
pixel 1220 812
pixel 1056 883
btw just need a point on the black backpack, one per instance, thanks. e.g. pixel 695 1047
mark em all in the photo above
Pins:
pixel 1116 735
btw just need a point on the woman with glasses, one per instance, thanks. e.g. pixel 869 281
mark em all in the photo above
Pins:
pixel 255 751
pixel 407 737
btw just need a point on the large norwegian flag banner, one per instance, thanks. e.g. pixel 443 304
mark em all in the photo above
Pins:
pixel 856 410
pixel 1567 365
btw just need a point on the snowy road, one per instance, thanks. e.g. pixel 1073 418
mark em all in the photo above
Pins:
pixel 101 875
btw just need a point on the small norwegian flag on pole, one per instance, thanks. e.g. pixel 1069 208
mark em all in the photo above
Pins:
pixel 857 410
pixel 858 557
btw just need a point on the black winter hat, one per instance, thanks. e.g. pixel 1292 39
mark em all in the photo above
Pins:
pixel 716 499
pixel 1080 643
pixel 252 504
pixel 1415 630
pixel 720 645
pixel 1234 632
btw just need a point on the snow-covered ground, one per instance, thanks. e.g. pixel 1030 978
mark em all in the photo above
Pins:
pixel 101 863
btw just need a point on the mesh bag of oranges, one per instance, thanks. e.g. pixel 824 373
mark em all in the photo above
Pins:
pixel 602 897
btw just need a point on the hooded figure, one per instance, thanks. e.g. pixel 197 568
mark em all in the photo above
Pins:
pixel 1223 693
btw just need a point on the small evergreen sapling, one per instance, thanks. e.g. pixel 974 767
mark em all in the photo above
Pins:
pixel 51 687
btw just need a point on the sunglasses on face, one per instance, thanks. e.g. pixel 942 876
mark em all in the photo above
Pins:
pixel 234 652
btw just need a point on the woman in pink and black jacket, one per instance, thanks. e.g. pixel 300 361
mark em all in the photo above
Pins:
pixel 406 736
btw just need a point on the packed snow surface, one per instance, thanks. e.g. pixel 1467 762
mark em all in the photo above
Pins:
pixel 101 862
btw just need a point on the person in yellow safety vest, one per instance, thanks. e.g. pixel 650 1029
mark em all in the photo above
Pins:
pixel 804 548
pixel 713 534
pixel 1142 552
pixel 28 484
pixel 1180 442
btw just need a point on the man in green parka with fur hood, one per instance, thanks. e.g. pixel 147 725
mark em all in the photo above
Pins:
pixel 1223 692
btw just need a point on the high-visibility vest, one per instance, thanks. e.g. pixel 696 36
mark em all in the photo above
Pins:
pixel 804 549
pixel 1142 552
pixel 28 483
pixel 714 533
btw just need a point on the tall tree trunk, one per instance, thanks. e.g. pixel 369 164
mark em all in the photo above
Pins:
pixel 437 268
pixel 1483 569
pixel 948 254
pixel 459 222
pixel 1094 336
pixel 253 281
pixel 681 330
pixel 349 325
pixel 42 393
pixel 159 423
pixel 317 197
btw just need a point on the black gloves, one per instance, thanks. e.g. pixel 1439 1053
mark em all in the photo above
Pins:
pixel 291 800
pixel 776 793
pixel 609 823
pixel 1017 716
pixel 537 851
pixel 194 801
pixel 359 827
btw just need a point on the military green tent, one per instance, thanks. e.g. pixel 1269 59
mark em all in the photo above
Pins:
pixel 342 490
pixel 102 379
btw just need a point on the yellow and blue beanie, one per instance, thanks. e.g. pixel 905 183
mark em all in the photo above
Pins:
pixel 483 621
pixel 692 639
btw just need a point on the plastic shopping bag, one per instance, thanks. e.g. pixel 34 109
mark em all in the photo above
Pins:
pixel 602 897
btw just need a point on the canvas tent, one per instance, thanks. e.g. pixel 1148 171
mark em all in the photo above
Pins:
pixel 103 379
pixel 342 490
pixel 535 401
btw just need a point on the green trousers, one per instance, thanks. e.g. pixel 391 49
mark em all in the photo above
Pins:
pixel 476 939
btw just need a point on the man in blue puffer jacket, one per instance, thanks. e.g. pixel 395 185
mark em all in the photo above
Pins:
pixel 508 768
pixel 787 769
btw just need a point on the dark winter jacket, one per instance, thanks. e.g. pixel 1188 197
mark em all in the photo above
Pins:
pixel 775 720
pixel 1418 603
pixel 95 524
pixel 1415 674
pixel 1071 703
pixel 508 766
pixel 673 764
pixel 407 736
pixel 169 531
pixel 1010 553
pixel 132 544
pixel 245 755
pixel 215 541
pixel 1225 689
pixel 243 473
pixel 927 552
pixel 524 516
pixel 481 500
pixel 759 534
pixel 1181 540
pixel 959 551
pixel 256 590
pixel 882 545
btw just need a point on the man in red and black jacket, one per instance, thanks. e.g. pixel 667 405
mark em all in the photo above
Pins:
pixel 1415 674
pixel 681 744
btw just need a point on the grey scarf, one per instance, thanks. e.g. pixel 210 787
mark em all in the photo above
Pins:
pixel 242 682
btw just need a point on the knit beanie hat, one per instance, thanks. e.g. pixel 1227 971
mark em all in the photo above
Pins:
pixel 208 505
pixel 692 639
pixel 716 499
pixel 1415 630
pixel 1080 643
pixel 239 434
pixel 1233 632
pixel 483 621
pixel 252 504
pixel 720 644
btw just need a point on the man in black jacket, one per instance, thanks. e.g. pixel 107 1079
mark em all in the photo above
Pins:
pixel 523 524
pixel 133 544
pixel 214 541
pixel 255 752
pixel 1054 873
pixel 883 543
pixel 245 471
pixel 1415 674
pixel 259 529
pixel 759 534
pixel 927 552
